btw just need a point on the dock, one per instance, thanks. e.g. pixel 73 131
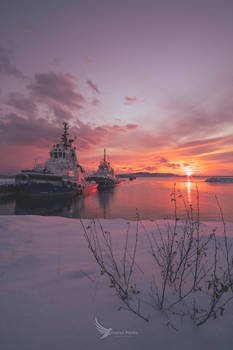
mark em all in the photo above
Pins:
pixel 7 187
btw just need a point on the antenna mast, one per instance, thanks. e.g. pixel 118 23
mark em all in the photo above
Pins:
pixel 65 135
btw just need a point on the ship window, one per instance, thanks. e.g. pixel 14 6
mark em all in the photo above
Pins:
pixel 64 155
pixel 55 154
pixel 60 154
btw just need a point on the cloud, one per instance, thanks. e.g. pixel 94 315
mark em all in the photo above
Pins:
pixel 7 67
pixel 173 165
pixel 220 157
pixel 147 139
pixel 197 121
pixel 162 161
pixel 57 88
pixel 122 128
pixel 94 87
pixel 187 135
pixel 130 100
pixel 30 137
pixel 131 126
pixel 95 102
pixel 16 130
pixel 21 103
pixel 150 168
pixel 62 115
pixel 116 128
pixel 24 139
pixel 89 136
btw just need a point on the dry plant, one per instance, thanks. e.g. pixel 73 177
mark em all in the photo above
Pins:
pixel 119 269
pixel 193 273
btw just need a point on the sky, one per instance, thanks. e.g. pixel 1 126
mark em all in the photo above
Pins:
pixel 150 81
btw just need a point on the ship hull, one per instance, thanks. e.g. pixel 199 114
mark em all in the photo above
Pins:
pixel 39 185
pixel 106 182
pixel 49 190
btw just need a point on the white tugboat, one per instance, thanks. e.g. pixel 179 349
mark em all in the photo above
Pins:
pixel 105 176
pixel 60 175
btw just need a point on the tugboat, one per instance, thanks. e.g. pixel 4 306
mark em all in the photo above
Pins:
pixel 61 175
pixel 104 177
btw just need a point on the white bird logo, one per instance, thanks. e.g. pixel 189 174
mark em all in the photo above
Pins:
pixel 104 331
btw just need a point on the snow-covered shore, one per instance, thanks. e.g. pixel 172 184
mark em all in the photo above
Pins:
pixel 51 291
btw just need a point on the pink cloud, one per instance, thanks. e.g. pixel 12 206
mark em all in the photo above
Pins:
pixel 95 102
pixel 56 88
pixel 130 100
pixel 150 168
pixel 21 103
pixel 131 126
pixel 162 161
pixel 94 87
pixel 31 133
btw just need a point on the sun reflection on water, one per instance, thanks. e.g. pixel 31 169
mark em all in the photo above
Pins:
pixel 189 189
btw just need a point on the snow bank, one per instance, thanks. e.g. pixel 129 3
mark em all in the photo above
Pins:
pixel 51 291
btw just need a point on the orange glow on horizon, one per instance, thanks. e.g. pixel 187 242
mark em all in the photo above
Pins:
pixel 198 159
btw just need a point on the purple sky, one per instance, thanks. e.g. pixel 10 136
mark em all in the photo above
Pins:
pixel 149 80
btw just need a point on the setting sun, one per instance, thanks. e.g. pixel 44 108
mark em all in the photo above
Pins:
pixel 189 173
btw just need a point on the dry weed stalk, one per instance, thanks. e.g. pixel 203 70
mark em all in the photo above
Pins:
pixel 119 271
pixel 193 273
pixel 192 279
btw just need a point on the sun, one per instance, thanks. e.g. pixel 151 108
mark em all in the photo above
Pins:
pixel 189 173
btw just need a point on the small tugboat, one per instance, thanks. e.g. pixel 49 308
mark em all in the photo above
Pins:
pixel 104 177
pixel 60 175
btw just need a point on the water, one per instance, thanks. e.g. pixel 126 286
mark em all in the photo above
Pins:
pixel 151 196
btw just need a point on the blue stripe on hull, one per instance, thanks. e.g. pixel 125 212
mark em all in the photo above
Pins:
pixel 45 189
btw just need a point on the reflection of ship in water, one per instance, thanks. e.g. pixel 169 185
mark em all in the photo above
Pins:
pixel 65 207
pixel 105 197
pixel 7 205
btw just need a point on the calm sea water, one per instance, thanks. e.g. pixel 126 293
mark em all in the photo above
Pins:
pixel 150 196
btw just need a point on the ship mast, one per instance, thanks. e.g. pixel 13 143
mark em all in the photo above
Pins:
pixel 104 155
pixel 65 136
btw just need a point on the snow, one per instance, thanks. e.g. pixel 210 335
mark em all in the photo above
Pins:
pixel 51 290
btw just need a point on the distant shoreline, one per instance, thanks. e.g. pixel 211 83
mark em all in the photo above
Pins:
pixel 142 174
